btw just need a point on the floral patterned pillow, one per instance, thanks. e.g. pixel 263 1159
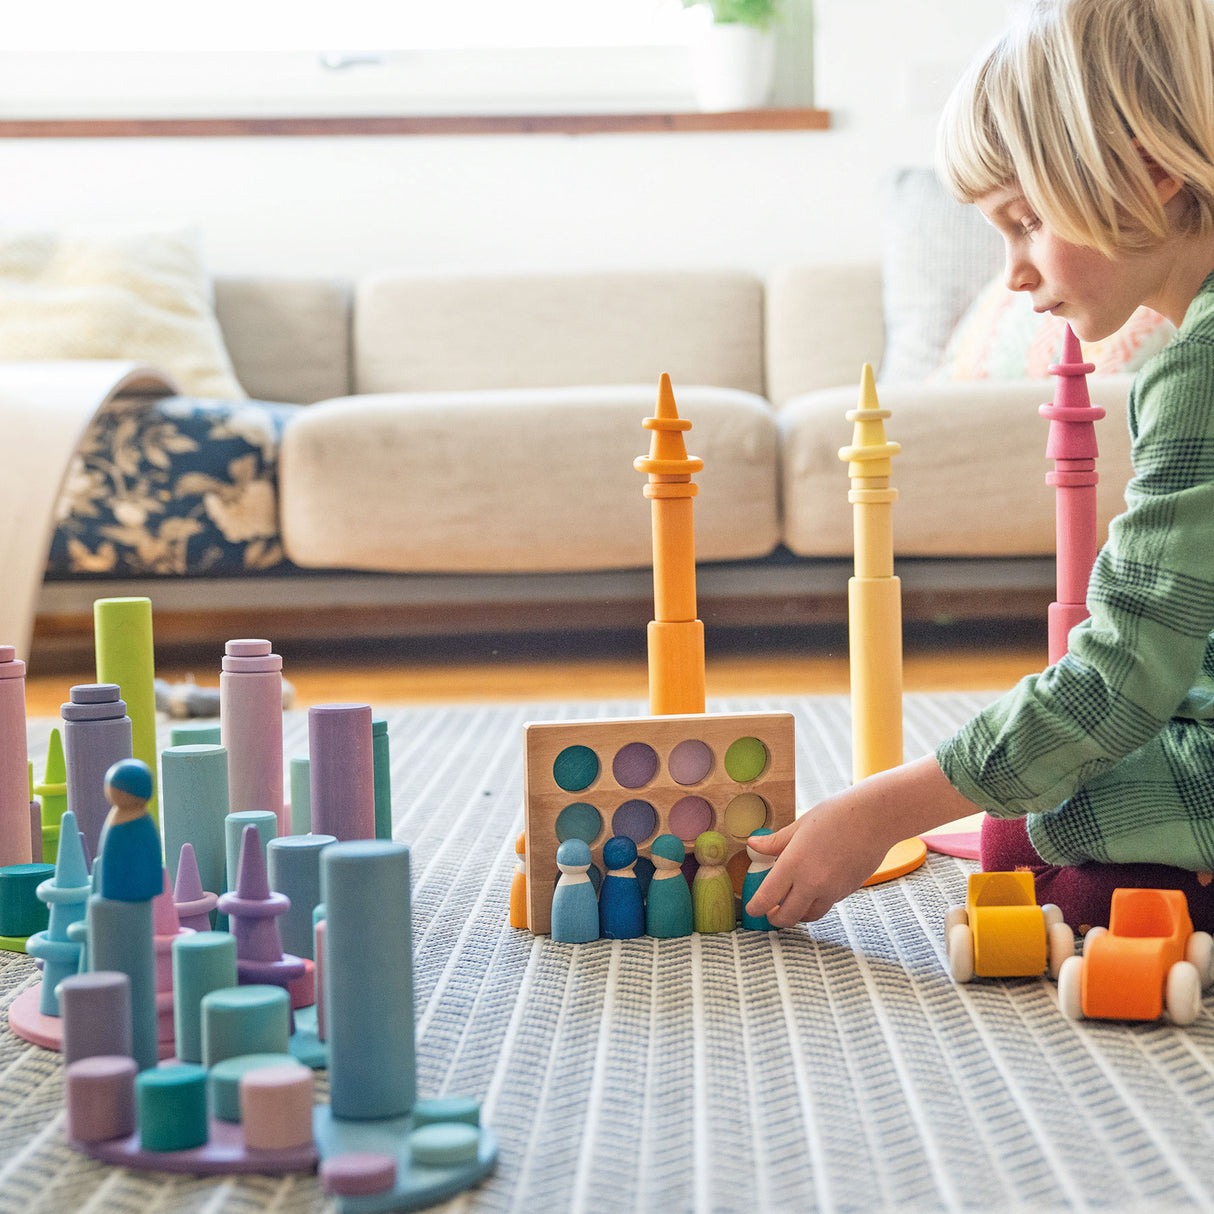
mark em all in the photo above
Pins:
pixel 173 486
pixel 1001 337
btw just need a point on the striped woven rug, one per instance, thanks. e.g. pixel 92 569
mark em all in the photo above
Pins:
pixel 817 1069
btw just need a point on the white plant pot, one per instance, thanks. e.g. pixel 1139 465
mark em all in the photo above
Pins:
pixel 732 66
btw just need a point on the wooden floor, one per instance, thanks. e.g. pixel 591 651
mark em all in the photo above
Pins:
pixel 553 668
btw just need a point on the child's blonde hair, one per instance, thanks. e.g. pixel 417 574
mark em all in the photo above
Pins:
pixel 1066 103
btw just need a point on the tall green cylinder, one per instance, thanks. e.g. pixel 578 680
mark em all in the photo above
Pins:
pixel 122 637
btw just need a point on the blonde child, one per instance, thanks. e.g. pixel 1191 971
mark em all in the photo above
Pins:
pixel 1086 137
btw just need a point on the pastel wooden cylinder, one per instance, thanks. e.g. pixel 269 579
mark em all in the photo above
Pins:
pixel 245 1020
pixel 195 733
pixel 122 632
pixel 16 842
pixel 358 1174
pixel 99 1094
pixel 172 1105
pixel 301 794
pixel 120 937
pixel 21 911
pixel 250 721
pixel 224 1081
pixel 202 963
pixel 368 978
pixel 293 864
pixel 96 1012
pixel 318 948
pixel 96 733
pixel 381 763
pixel 342 770
pixel 193 807
pixel 447 1108
pixel 276 1107
pixel 444 1144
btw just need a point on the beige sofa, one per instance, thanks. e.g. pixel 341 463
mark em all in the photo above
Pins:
pixel 465 462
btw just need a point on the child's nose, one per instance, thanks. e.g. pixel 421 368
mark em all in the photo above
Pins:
pixel 1019 274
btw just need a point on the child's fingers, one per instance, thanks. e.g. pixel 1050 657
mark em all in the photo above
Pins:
pixel 769 894
pixel 774 844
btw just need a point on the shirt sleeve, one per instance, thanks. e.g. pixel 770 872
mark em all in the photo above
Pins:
pixel 1138 659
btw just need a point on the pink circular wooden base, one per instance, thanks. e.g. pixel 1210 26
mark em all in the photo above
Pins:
pixel 31 1025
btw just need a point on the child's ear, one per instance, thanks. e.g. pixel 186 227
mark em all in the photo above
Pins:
pixel 1166 186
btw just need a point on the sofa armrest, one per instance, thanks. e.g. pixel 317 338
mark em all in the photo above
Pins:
pixel 823 324
pixel 45 408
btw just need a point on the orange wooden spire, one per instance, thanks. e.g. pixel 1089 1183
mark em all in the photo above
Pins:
pixel 676 636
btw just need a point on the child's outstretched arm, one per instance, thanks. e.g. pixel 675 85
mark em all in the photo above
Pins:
pixel 835 847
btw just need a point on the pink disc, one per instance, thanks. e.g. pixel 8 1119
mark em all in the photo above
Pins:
pixel 358 1174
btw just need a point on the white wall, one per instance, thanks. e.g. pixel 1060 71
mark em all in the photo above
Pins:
pixel 343 206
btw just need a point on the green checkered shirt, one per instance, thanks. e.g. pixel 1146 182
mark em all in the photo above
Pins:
pixel 1110 752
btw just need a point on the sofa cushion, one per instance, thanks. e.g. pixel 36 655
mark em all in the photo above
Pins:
pixel 1001 337
pixel 173 486
pixel 971 474
pixel 938 255
pixel 289 338
pixel 516 481
pixel 114 293
pixel 416 333
pixel 823 323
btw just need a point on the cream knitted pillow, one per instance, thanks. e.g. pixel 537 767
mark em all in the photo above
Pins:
pixel 86 293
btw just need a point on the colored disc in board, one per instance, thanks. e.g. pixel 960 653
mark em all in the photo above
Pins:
pixel 901 859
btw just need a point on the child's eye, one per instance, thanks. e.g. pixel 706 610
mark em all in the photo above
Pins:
pixel 1029 224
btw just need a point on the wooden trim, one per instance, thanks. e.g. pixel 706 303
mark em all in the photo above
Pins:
pixel 784 119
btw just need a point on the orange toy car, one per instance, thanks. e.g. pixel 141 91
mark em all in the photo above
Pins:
pixel 1149 958
pixel 1001 932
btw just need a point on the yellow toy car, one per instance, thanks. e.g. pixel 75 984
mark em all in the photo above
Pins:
pixel 1001 932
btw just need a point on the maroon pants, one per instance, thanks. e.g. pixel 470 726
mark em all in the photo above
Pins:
pixel 1083 891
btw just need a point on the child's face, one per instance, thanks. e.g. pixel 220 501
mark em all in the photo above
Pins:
pixel 1093 293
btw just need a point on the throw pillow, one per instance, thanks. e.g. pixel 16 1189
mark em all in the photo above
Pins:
pixel 127 293
pixel 1001 337
pixel 938 254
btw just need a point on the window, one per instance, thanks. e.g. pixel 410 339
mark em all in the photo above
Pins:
pixel 140 58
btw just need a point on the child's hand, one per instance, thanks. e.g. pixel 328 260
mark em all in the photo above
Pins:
pixel 835 847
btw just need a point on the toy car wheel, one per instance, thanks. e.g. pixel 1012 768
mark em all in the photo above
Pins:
pixel 1052 914
pixel 1200 951
pixel 961 952
pixel 1182 995
pixel 1092 934
pixel 1070 988
pixel 953 916
pixel 1060 944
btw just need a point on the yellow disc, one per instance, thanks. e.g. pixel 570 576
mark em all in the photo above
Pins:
pixel 901 859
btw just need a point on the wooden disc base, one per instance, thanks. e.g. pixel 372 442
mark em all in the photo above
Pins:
pixel 901 859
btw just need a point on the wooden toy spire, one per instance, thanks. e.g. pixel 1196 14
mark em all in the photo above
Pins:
pixel 676 636
pixel 1072 446
pixel 874 610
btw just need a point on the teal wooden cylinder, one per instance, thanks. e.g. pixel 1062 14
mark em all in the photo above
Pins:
pixel 171 1102
pixel 202 963
pixel 21 911
pixel 251 1019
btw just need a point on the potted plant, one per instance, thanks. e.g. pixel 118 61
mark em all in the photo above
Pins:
pixel 734 54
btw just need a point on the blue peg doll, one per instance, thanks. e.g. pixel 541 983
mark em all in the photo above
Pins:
pixel 621 911
pixel 575 908
pixel 759 864
pixel 668 907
